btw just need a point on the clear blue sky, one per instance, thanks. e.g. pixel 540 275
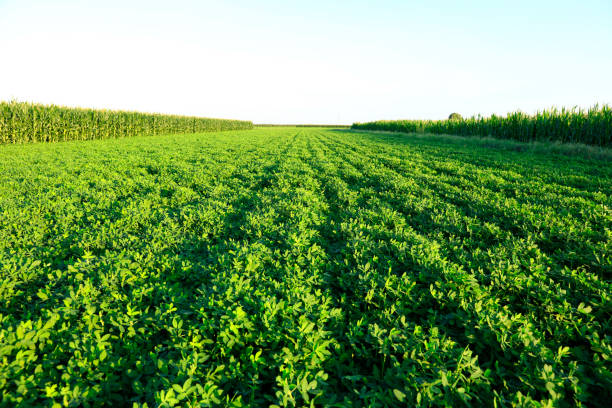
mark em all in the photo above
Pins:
pixel 308 61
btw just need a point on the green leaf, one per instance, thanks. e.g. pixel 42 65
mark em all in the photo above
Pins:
pixel 42 295
pixel 399 395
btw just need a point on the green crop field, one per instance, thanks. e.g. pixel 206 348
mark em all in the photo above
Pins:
pixel 592 126
pixel 304 267
pixel 22 122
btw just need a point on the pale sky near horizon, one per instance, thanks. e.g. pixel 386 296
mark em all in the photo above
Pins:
pixel 308 61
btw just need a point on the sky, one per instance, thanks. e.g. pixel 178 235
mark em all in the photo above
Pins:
pixel 325 62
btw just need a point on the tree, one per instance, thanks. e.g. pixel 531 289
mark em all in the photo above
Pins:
pixel 455 116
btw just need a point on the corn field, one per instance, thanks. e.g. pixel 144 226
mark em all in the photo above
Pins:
pixel 22 122
pixel 575 125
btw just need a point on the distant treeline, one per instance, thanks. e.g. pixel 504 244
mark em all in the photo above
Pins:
pixel 324 126
pixel 28 122
pixel 592 126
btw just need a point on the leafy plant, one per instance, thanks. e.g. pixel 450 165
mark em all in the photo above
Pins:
pixel 303 267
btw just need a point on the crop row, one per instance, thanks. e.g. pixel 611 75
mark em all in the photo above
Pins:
pixel 27 122
pixel 291 267
pixel 592 126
